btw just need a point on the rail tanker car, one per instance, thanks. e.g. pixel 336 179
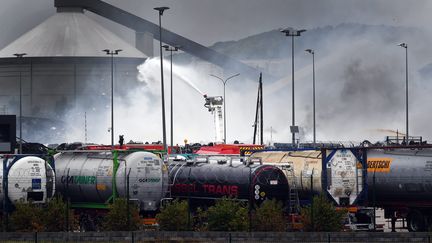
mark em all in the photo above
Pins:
pixel 25 178
pixel 399 179
pixel 202 182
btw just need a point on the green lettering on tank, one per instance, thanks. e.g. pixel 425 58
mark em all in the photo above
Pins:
pixel 84 180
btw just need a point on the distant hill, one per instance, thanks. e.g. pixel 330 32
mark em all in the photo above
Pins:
pixel 273 45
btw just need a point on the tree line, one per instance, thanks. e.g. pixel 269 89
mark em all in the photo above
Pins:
pixel 231 215
pixel 225 215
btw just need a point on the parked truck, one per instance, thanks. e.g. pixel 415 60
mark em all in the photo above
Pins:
pixel 397 179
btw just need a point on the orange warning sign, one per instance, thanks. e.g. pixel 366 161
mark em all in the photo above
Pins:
pixel 379 164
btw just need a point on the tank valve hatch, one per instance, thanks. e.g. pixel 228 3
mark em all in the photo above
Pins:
pixel 344 177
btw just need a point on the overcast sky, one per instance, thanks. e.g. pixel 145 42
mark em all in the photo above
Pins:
pixel 209 21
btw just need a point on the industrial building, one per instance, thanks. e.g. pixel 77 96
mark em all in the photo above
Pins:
pixel 64 68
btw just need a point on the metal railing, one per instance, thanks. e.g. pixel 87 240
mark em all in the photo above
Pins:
pixel 188 236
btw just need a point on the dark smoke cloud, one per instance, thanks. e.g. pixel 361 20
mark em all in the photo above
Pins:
pixel 370 86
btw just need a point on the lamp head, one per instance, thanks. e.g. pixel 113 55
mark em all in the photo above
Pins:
pixel 20 54
pixel 286 30
pixel 310 51
pixel 109 52
pixel 301 31
pixel 171 48
pixel 291 31
pixel 161 9
pixel 404 45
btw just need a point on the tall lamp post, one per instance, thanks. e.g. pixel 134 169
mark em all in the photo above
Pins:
pixel 224 84
pixel 293 32
pixel 20 57
pixel 404 45
pixel 161 10
pixel 313 92
pixel 171 49
pixel 112 53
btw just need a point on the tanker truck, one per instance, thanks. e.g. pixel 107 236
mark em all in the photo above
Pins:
pixel 340 176
pixel 397 179
pixel 400 182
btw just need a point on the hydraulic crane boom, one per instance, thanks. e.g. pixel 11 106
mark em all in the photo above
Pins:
pixel 214 106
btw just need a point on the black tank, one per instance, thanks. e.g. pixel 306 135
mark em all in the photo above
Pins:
pixel 254 182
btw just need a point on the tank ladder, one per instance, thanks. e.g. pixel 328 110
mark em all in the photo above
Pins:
pixel 294 201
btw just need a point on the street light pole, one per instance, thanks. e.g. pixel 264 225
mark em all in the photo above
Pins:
pixel 313 92
pixel 161 10
pixel 404 45
pixel 171 49
pixel 20 57
pixel 292 32
pixel 224 83
pixel 112 53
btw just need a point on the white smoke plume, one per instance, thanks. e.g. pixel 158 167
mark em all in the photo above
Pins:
pixel 360 92
pixel 138 117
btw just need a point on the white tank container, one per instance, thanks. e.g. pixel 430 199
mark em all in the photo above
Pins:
pixel 28 178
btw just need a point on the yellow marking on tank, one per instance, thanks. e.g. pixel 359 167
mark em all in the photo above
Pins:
pixel 379 164
pixel 101 187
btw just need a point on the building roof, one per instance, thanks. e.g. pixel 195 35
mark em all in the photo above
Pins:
pixel 69 34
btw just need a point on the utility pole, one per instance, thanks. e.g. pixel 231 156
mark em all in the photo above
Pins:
pixel 293 33
pixel 20 57
pixel 224 99
pixel 259 113
pixel 404 45
pixel 171 49
pixel 112 53
pixel 313 92
pixel 161 10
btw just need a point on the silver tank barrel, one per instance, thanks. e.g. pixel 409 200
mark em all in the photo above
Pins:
pixel 85 177
pixel 96 176
pixel 401 176
pixel 302 168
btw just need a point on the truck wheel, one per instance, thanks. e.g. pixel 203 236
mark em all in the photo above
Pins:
pixel 416 221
